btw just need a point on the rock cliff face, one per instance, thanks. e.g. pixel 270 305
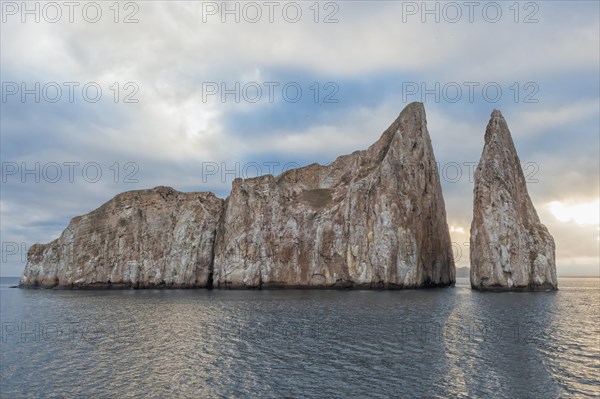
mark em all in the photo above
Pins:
pixel 510 249
pixel 145 238
pixel 372 219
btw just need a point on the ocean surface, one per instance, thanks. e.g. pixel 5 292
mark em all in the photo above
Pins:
pixel 436 343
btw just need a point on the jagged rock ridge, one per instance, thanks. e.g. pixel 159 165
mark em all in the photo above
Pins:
pixel 375 218
pixel 510 249
pixel 372 219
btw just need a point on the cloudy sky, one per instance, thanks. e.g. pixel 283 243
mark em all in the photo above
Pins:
pixel 99 99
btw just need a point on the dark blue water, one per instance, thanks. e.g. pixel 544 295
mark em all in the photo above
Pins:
pixel 339 344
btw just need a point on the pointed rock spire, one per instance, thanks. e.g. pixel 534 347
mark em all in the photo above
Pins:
pixel 372 219
pixel 511 250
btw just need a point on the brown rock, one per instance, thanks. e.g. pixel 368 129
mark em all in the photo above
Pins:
pixel 144 238
pixel 511 250
pixel 372 219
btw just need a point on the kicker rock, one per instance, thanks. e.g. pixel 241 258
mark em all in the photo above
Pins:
pixel 144 238
pixel 510 249
pixel 372 219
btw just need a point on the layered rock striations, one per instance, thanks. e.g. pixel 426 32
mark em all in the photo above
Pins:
pixel 372 219
pixel 510 249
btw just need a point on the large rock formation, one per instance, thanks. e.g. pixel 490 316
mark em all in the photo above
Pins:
pixel 375 218
pixel 372 219
pixel 510 249
pixel 145 238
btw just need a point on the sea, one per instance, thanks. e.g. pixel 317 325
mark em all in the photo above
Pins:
pixel 435 343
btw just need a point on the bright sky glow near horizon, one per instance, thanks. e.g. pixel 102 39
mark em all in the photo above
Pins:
pixel 191 98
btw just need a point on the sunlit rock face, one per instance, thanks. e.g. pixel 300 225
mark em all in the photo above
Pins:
pixel 372 219
pixel 510 249
pixel 145 238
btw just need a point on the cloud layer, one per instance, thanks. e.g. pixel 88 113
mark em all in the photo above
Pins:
pixel 355 75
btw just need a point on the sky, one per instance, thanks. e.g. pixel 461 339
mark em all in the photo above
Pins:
pixel 98 99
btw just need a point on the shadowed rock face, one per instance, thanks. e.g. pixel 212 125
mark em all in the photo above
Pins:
pixel 372 219
pixel 510 249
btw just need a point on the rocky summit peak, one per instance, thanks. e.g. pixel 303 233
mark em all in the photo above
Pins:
pixel 510 248
pixel 371 219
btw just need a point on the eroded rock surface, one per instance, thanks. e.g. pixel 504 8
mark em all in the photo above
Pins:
pixel 144 238
pixel 372 219
pixel 511 250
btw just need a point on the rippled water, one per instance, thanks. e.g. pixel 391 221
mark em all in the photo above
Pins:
pixel 341 344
